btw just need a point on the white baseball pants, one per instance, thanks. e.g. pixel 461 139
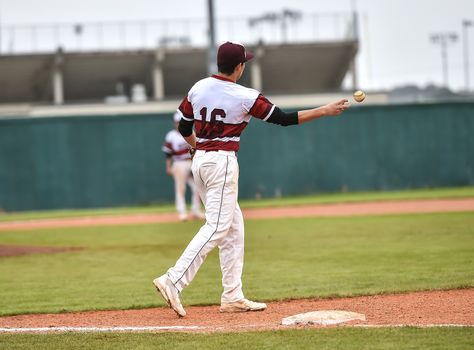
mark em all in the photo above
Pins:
pixel 216 175
pixel 182 175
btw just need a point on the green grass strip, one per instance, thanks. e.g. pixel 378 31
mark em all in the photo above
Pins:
pixel 322 339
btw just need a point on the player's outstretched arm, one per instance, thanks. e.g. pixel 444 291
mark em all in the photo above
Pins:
pixel 331 109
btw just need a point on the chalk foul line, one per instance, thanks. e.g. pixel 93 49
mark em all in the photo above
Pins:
pixel 98 329
pixel 194 328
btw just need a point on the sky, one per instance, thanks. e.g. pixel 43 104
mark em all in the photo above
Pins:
pixel 395 47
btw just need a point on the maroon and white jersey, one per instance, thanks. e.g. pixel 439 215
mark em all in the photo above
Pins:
pixel 176 146
pixel 220 110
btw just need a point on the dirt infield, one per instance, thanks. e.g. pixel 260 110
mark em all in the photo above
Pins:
pixel 453 307
pixel 414 309
pixel 320 210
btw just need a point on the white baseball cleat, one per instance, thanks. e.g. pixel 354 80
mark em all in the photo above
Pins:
pixel 183 217
pixel 243 306
pixel 169 292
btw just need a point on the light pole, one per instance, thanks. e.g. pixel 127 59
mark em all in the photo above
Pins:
pixel 0 29
pixel 465 26
pixel 211 58
pixel 444 39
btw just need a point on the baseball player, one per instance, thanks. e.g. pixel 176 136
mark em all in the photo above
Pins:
pixel 219 109
pixel 178 165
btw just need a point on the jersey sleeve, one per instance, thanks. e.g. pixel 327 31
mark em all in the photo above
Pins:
pixel 167 146
pixel 186 110
pixel 262 108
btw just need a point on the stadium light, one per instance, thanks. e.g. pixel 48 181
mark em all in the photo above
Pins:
pixel 444 39
pixel 465 31
pixel 281 18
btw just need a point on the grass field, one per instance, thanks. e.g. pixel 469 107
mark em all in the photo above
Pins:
pixel 457 192
pixel 322 339
pixel 311 257
pixel 285 258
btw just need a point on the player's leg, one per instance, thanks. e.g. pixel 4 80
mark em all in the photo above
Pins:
pixel 231 254
pixel 180 177
pixel 217 175
pixel 195 197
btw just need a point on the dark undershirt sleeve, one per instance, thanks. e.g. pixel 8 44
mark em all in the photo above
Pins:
pixel 282 118
pixel 185 127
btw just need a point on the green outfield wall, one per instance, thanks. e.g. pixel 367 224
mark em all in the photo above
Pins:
pixel 106 161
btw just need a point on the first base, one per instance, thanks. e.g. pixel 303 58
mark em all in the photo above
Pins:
pixel 324 318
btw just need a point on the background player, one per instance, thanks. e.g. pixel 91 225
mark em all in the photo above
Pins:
pixel 220 109
pixel 178 165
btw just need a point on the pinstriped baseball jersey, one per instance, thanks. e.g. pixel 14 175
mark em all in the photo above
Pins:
pixel 220 110
pixel 176 146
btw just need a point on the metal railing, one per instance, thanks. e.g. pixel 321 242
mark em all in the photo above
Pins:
pixel 128 35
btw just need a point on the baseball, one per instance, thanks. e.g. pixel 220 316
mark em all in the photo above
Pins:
pixel 359 96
